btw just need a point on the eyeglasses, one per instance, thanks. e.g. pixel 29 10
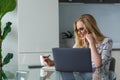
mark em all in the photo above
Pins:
pixel 80 29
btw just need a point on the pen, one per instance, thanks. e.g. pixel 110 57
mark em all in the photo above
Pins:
pixel 48 56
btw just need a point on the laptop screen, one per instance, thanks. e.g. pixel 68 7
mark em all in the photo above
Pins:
pixel 72 59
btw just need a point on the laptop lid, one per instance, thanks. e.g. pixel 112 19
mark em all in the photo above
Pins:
pixel 72 59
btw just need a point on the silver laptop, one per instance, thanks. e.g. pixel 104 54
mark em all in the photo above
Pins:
pixel 72 59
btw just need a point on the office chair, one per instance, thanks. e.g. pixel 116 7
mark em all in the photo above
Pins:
pixel 112 65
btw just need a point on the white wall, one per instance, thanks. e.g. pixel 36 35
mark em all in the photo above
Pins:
pixel 10 44
pixel 38 25
pixel 38 29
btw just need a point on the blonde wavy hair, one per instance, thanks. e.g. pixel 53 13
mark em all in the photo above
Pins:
pixel 91 27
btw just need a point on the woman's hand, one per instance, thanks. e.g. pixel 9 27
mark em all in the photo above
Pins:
pixel 48 61
pixel 90 39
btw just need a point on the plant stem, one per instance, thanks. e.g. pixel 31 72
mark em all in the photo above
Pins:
pixel 0 38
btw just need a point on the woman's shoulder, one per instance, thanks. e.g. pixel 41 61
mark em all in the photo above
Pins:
pixel 107 43
pixel 107 40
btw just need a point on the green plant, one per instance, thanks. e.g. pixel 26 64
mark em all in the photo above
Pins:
pixel 5 7
pixel 67 34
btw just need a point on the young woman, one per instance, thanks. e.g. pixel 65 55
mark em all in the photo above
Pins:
pixel 87 34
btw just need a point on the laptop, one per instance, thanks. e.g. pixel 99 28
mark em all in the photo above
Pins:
pixel 72 59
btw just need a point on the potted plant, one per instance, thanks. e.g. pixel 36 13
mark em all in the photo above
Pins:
pixel 5 7
pixel 68 37
pixel 67 34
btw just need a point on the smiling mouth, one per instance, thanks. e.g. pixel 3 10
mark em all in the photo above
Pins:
pixel 82 36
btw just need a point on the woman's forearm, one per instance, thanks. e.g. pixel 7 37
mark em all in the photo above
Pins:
pixel 96 58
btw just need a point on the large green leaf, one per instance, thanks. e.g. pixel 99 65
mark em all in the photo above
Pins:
pixel 3 75
pixel 7 29
pixel 6 6
pixel 7 59
pixel 0 53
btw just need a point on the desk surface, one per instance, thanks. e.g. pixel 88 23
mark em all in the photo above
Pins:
pixel 37 73
pixel 44 73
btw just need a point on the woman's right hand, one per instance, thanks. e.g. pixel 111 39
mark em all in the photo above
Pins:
pixel 48 61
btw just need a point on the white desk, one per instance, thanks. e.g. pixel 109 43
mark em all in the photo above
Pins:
pixel 44 73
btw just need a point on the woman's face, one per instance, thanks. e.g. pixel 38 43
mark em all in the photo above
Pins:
pixel 81 30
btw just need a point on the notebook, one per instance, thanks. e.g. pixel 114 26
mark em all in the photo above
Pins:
pixel 72 59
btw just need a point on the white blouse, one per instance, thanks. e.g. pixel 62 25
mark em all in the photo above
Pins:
pixel 104 50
